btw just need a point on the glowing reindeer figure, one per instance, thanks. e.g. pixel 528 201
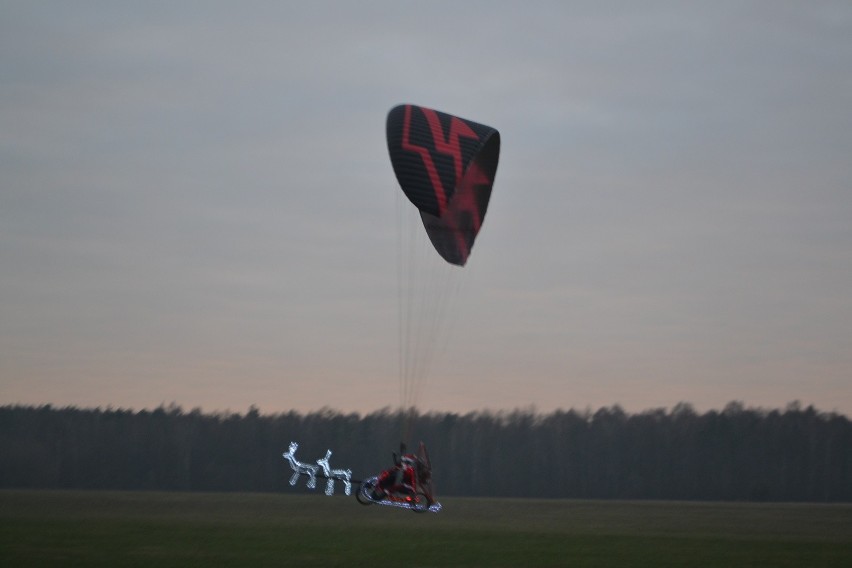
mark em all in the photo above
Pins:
pixel 300 468
pixel 344 475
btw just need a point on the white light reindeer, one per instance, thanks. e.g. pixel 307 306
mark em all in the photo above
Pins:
pixel 344 475
pixel 300 468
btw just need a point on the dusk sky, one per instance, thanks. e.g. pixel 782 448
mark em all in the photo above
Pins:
pixel 197 205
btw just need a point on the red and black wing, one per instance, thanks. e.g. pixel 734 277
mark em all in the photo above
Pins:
pixel 445 165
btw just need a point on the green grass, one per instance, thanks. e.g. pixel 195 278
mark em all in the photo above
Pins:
pixel 66 528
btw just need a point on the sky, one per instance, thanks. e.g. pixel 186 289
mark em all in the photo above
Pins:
pixel 197 206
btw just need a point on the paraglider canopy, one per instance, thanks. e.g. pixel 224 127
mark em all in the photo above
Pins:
pixel 445 165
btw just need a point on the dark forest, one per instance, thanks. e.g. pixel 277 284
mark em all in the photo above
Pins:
pixel 736 454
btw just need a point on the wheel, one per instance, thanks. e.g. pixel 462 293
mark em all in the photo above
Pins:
pixel 363 491
pixel 420 503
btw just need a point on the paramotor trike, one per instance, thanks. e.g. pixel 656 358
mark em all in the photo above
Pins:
pixel 407 485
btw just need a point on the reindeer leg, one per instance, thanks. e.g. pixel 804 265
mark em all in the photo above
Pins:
pixel 343 475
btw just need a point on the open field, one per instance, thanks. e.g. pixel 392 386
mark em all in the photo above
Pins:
pixel 65 528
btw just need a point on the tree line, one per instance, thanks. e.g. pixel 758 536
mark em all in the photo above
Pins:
pixel 738 453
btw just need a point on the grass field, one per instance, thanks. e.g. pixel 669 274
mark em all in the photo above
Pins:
pixel 66 528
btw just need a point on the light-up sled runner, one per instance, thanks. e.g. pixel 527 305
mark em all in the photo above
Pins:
pixel 407 485
pixel 419 502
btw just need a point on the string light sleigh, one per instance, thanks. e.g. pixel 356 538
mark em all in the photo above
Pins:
pixel 370 491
